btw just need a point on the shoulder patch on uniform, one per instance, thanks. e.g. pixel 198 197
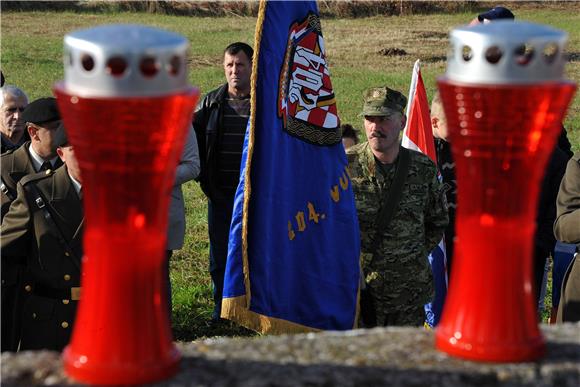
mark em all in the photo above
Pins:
pixel 36 176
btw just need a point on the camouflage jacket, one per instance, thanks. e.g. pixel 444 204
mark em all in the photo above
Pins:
pixel 399 275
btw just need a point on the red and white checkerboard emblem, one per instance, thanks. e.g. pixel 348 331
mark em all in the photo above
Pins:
pixel 306 101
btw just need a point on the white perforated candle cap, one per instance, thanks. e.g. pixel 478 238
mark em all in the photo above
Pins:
pixel 124 60
pixel 506 52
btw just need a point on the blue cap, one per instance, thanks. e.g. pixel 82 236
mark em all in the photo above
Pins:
pixel 496 13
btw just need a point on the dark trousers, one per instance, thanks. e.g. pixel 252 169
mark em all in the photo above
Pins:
pixel 569 307
pixel 14 280
pixel 219 217
pixel 166 268
pixel 9 300
pixel 413 316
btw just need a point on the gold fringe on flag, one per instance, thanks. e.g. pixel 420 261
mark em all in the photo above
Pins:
pixel 235 309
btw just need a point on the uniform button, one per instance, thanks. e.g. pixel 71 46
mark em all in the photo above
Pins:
pixel 64 324
pixel 33 315
pixel 67 253
pixel 28 288
pixel 67 277
pixel 65 302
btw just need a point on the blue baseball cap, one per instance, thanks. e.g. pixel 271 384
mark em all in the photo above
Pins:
pixel 496 13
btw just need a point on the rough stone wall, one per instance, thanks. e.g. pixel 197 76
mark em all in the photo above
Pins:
pixel 377 357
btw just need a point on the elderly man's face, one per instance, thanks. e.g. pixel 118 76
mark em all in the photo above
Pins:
pixel 42 136
pixel 383 131
pixel 11 124
pixel 238 69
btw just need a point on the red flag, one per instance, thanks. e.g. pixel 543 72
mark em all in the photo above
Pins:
pixel 418 134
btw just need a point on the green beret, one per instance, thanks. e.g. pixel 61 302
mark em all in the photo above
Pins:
pixel 382 101
pixel 40 111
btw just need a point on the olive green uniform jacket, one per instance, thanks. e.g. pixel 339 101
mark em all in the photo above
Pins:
pixel 567 229
pixel 399 276
pixel 29 239
pixel 14 165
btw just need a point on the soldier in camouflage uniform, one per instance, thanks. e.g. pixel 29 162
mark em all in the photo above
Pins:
pixel 398 276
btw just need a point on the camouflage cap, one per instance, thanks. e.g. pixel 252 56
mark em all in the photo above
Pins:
pixel 382 101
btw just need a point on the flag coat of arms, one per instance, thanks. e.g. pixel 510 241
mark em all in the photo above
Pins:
pixel 293 254
pixel 418 135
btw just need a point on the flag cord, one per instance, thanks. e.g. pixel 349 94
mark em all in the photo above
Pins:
pixel 252 134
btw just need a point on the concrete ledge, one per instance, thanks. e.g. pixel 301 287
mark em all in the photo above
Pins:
pixel 377 357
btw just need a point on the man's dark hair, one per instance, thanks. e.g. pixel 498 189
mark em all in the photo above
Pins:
pixel 349 132
pixel 236 47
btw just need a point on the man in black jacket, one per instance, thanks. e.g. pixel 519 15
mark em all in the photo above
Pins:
pixel 220 126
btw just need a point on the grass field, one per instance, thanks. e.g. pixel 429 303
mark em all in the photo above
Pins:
pixel 31 56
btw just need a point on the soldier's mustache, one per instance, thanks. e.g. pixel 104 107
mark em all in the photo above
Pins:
pixel 378 135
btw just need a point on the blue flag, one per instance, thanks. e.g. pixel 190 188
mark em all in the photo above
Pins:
pixel 293 255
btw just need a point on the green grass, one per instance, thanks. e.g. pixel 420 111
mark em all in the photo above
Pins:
pixel 31 56
pixel 545 313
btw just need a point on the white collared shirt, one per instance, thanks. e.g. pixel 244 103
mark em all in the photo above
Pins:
pixel 77 184
pixel 37 161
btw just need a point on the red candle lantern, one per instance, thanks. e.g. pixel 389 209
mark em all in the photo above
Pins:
pixel 126 106
pixel 504 98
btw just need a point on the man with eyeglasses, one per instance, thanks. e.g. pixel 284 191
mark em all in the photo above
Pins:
pixel 12 104
pixel 41 119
